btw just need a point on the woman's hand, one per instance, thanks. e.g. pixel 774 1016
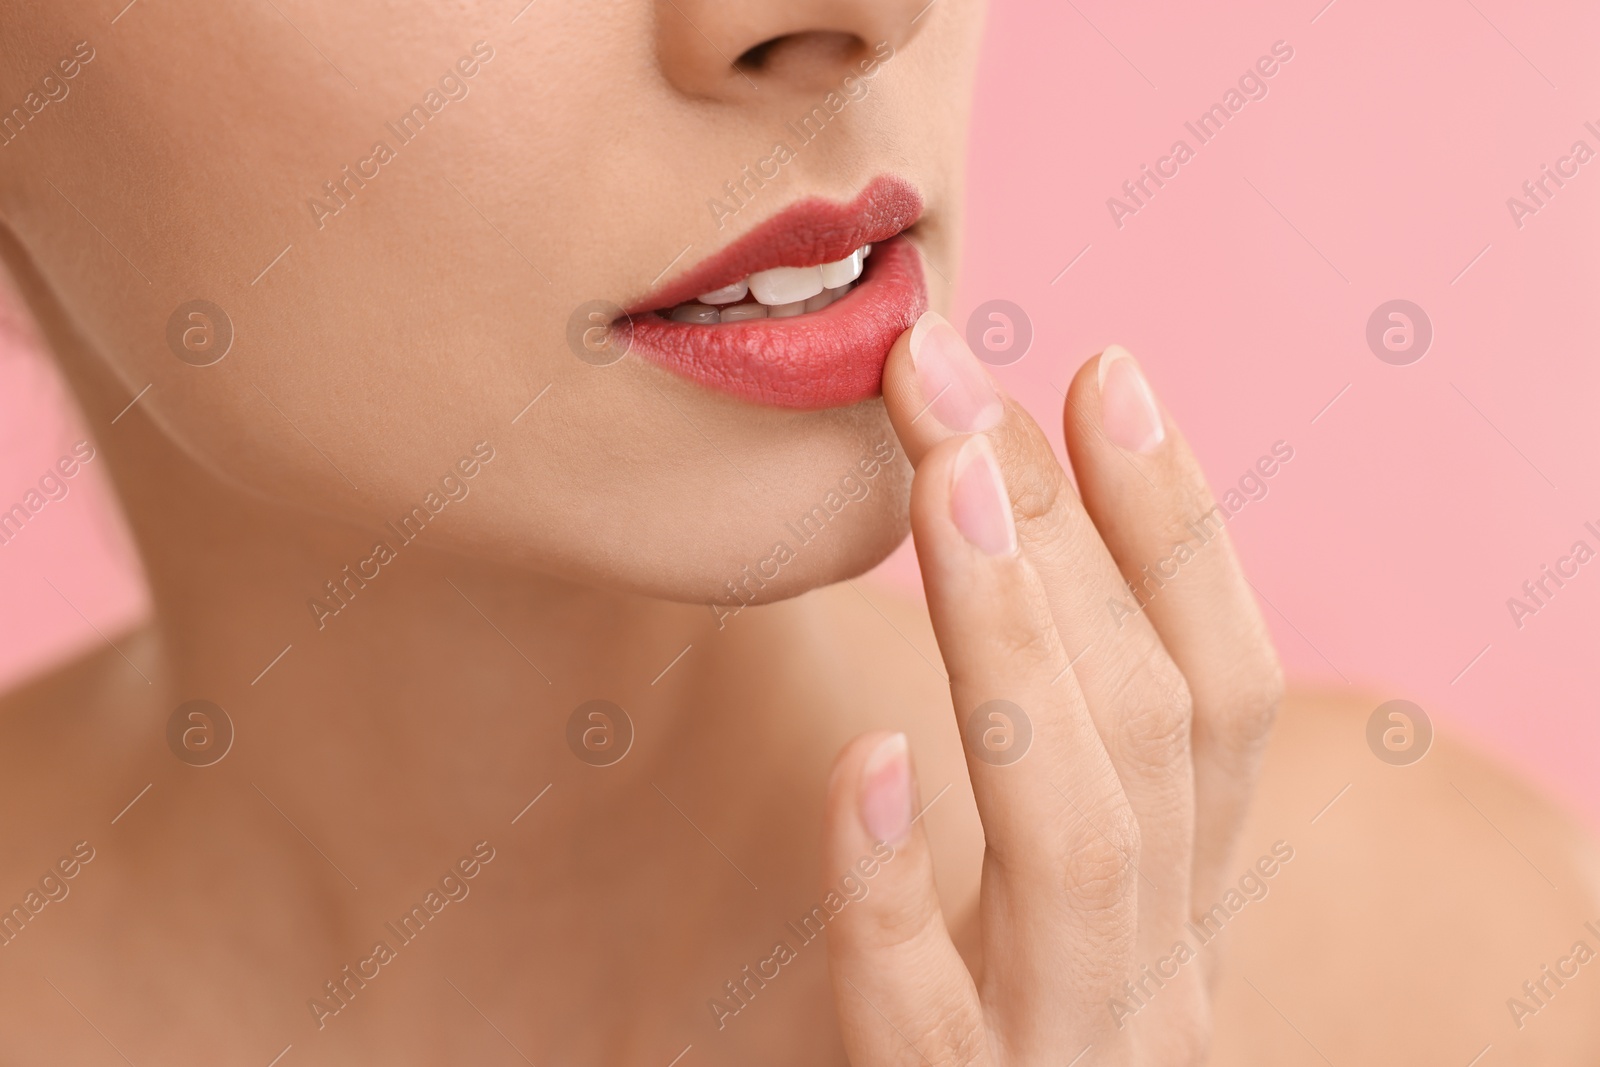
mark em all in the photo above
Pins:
pixel 1148 712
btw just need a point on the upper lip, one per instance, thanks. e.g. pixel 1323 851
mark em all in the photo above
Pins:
pixel 805 234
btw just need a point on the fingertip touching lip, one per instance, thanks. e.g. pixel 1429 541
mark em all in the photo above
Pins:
pixel 822 359
pixel 826 351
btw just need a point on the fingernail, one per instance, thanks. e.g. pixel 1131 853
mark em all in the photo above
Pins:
pixel 1127 406
pixel 954 387
pixel 979 505
pixel 886 791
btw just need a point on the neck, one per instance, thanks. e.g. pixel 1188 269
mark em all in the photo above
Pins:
pixel 443 674
pixel 456 670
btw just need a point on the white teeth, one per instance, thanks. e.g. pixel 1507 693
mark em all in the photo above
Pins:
pixel 696 313
pixel 780 293
pixel 826 297
pixel 740 312
pixel 843 272
pixel 786 285
pixel 728 294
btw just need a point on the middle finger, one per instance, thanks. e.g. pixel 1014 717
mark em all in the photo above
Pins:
pixel 935 388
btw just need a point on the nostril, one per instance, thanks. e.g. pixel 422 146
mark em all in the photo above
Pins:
pixel 810 52
pixel 754 59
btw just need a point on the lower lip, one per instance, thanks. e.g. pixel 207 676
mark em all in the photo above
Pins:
pixel 823 359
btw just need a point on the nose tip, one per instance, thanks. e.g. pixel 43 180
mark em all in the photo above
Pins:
pixel 731 49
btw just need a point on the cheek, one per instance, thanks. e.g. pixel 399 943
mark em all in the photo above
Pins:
pixel 405 296
pixel 425 318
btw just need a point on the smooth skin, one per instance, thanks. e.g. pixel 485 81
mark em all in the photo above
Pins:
pixel 431 711
pixel 1101 840
pixel 607 924
pixel 1117 831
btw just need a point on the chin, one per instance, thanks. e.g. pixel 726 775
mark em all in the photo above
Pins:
pixel 792 566
pixel 744 561
pixel 836 528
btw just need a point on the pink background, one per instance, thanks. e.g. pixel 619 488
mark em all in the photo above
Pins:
pixel 1377 167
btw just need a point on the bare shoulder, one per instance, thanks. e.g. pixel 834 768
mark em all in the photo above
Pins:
pixel 1430 911
pixel 65 728
pixel 99 677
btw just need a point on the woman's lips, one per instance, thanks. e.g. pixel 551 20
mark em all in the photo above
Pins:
pixel 820 359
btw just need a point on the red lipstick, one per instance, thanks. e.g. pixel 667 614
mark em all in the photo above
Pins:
pixel 819 359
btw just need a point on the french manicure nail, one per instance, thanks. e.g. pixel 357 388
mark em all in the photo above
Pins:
pixel 954 387
pixel 979 504
pixel 886 791
pixel 1127 406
